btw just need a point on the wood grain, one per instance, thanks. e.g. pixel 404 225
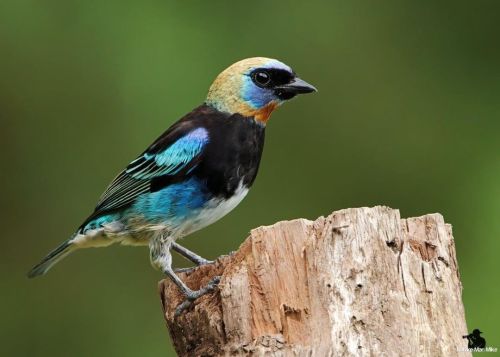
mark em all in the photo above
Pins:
pixel 360 282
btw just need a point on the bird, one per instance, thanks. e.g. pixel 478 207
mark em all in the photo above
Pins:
pixel 195 173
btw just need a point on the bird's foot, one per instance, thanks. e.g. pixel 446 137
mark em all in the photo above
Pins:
pixel 204 261
pixel 190 269
pixel 192 296
pixel 184 270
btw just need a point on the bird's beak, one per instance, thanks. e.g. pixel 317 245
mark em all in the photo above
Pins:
pixel 297 86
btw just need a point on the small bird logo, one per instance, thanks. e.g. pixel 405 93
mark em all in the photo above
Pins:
pixel 196 172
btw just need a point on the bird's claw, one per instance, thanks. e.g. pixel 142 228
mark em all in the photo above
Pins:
pixel 194 295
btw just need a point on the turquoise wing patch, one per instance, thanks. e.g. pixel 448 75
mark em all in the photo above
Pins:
pixel 136 178
pixel 171 160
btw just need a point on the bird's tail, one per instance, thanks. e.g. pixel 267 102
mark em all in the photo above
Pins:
pixel 52 258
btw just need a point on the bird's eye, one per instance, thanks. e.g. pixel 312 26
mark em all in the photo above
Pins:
pixel 261 78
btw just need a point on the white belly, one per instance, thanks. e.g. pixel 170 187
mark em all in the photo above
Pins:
pixel 214 210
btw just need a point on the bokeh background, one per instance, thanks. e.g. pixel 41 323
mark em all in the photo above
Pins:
pixel 407 115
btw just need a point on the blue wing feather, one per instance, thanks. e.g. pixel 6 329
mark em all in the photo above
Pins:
pixel 171 160
pixel 167 159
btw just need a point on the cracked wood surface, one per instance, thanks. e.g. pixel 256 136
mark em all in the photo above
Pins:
pixel 360 282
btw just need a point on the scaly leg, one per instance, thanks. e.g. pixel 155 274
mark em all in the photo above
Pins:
pixel 162 259
pixel 192 256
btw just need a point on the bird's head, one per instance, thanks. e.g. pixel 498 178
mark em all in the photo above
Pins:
pixel 254 87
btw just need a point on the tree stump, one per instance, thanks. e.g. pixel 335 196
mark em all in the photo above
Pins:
pixel 360 282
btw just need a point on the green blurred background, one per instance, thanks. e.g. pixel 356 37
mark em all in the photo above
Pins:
pixel 407 115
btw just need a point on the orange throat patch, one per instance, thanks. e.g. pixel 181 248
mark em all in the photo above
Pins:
pixel 262 114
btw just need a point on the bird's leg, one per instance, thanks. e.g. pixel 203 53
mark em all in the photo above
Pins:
pixel 192 256
pixel 161 258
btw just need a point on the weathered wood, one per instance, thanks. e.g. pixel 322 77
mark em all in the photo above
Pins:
pixel 360 282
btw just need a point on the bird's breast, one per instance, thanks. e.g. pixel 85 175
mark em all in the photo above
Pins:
pixel 232 157
pixel 212 211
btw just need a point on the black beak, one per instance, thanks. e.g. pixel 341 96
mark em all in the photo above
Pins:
pixel 296 86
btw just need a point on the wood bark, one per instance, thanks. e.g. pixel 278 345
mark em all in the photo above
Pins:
pixel 360 282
